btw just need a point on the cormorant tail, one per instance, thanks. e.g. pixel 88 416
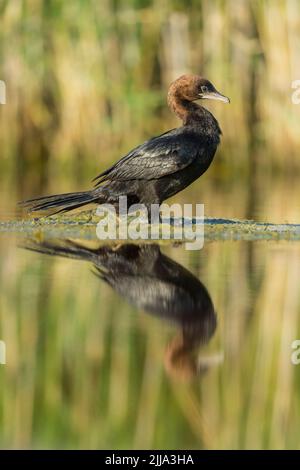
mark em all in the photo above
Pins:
pixel 64 248
pixel 60 202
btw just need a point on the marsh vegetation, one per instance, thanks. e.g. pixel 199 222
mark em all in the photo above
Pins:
pixel 86 82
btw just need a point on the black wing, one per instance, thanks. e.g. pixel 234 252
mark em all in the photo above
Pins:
pixel 157 157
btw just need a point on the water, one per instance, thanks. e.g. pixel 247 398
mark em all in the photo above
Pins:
pixel 178 349
pixel 159 347
pixel 96 365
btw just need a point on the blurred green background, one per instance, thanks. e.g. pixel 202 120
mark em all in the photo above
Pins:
pixel 86 82
pixel 86 370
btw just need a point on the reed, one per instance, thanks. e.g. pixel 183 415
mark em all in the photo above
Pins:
pixel 86 81
pixel 86 370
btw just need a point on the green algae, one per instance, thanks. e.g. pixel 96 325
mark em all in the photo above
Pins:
pixel 83 226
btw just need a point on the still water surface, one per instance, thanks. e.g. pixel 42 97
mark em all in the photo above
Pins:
pixel 152 347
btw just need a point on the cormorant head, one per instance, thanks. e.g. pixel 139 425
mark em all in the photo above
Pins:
pixel 194 87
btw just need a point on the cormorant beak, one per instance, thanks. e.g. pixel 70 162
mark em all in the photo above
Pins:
pixel 215 95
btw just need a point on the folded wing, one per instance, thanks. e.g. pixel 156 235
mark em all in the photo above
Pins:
pixel 157 157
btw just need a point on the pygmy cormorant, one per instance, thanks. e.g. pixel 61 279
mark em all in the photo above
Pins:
pixel 163 165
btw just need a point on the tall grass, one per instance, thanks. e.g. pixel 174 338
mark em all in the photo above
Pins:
pixel 86 370
pixel 86 81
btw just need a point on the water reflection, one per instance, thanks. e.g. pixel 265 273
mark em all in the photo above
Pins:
pixel 153 282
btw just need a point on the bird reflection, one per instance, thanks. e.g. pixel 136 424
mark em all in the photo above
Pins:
pixel 153 282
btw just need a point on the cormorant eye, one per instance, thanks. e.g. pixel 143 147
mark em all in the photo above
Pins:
pixel 204 89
